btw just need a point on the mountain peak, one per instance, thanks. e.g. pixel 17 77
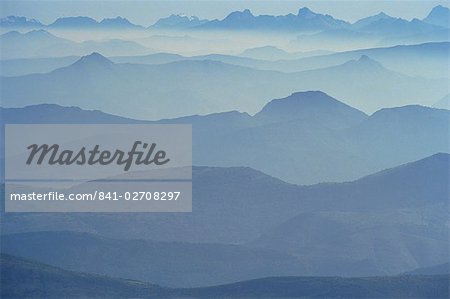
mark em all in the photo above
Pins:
pixel 371 19
pixel 247 12
pixel 305 12
pixel 94 59
pixel 382 14
pixel 364 59
pixel 439 9
pixel 303 98
pixel 118 18
pixel 117 21
pixel 17 21
pixel 79 21
pixel 439 16
pixel 364 63
pixel 434 166
pixel 240 15
pixel 179 21
pixel 39 32
pixel 315 105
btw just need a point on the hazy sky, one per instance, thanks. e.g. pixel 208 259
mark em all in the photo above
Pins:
pixel 147 12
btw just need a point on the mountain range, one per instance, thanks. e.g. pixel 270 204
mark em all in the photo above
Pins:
pixel 439 16
pixel 79 22
pixel 19 22
pixel 41 43
pixel 314 167
pixel 314 144
pixel 202 86
pixel 433 57
pixel 190 264
pixel 387 223
pixel 179 22
pixel 304 20
pixel 22 277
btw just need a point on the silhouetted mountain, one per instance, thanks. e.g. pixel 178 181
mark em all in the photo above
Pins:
pixel 41 43
pixel 433 57
pixel 375 78
pixel 265 53
pixel 337 40
pixel 368 20
pixel 24 278
pixel 440 34
pixel 439 16
pixel 113 47
pixel 178 22
pixel 333 229
pixel 93 60
pixel 364 64
pixel 373 31
pixel 331 287
pixel 19 22
pixel 305 20
pixel 74 23
pixel 310 107
pixel 322 149
pixel 56 114
pixel 33 43
pixel 26 66
pixel 355 219
pixel 200 82
pixel 190 264
pixel 202 87
pixel 117 23
pixel 211 214
pixel 403 129
pixel 408 198
pixel 398 27
pixel 77 23
pixel 325 142
pixel 364 70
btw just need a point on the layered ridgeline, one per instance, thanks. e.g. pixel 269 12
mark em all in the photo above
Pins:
pixel 308 137
pixel 433 58
pixel 203 86
pixel 41 43
pixel 24 278
pixel 304 20
pixel 388 223
pixel 74 23
pixel 307 30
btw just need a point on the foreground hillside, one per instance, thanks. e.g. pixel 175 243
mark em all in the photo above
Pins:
pixel 24 278
pixel 384 224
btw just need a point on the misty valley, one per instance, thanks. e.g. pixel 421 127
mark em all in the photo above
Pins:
pixel 320 148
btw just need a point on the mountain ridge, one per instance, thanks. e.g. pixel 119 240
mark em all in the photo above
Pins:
pixel 76 284
pixel 304 20
pixel 438 16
